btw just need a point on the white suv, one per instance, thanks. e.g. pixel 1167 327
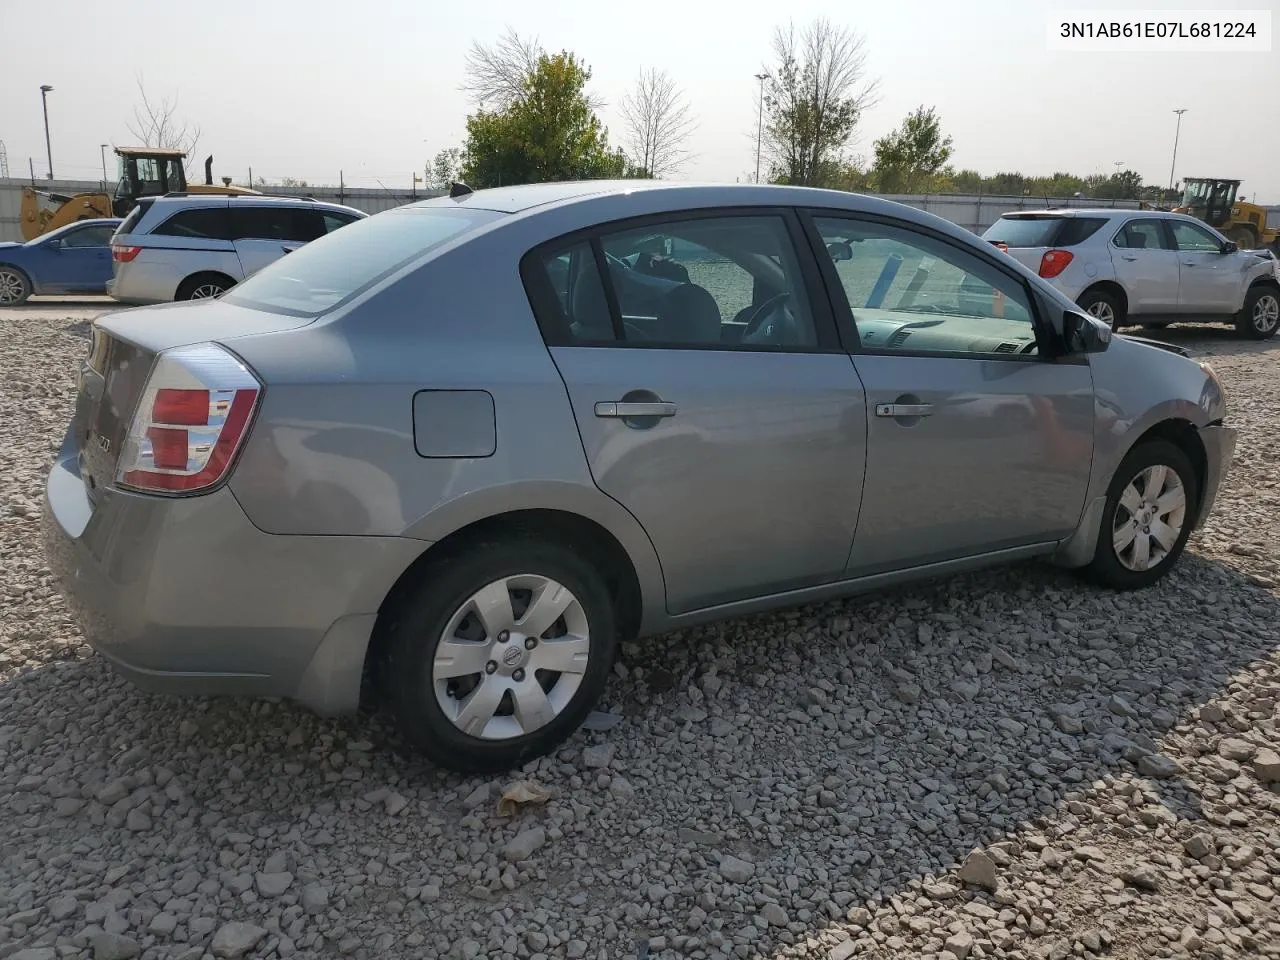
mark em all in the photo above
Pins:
pixel 193 246
pixel 1146 267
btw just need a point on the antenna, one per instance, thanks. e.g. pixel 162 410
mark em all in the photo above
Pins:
pixel 4 161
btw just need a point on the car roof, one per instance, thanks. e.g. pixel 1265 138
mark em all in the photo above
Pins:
pixel 225 199
pixel 1070 212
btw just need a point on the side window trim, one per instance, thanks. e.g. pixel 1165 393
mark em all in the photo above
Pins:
pixel 555 330
pixel 610 294
pixel 844 311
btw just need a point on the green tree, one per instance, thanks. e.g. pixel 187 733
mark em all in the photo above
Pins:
pixel 910 159
pixel 815 94
pixel 548 132
pixel 444 169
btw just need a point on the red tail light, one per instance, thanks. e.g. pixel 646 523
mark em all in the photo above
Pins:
pixel 1054 262
pixel 193 417
pixel 124 254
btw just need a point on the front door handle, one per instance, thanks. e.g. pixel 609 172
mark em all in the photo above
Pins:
pixel 904 409
pixel 1127 257
pixel 1188 263
pixel 630 408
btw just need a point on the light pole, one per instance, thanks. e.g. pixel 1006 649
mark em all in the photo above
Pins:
pixel 44 101
pixel 762 77
pixel 1180 111
pixel 103 150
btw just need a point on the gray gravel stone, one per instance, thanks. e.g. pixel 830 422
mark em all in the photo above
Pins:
pixel 524 844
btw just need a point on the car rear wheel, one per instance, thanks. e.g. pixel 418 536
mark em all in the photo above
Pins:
pixel 1150 508
pixel 1105 306
pixel 1260 318
pixel 500 654
pixel 14 286
pixel 203 286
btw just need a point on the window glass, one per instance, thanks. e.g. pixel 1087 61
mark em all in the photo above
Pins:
pixel 718 281
pixel 275 223
pixel 322 276
pixel 1141 235
pixel 908 291
pixel 1077 230
pixel 332 221
pixel 88 237
pixel 1189 236
pixel 205 223
pixel 1024 231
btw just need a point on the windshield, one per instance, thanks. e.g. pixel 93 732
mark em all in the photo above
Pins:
pixel 1024 231
pixel 327 272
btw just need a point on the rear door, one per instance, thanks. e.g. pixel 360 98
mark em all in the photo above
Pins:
pixel 265 233
pixel 975 444
pixel 1146 265
pixel 711 396
pixel 1209 281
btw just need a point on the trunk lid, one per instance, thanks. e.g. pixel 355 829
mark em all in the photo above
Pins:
pixel 124 347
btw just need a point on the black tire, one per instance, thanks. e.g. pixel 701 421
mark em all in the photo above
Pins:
pixel 15 286
pixel 1256 323
pixel 1107 568
pixel 417 627
pixel 200 286
pixel 1091 301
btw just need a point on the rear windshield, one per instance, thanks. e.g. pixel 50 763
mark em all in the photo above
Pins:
pixel 1044 231
pixel 132 219
pixel 327 272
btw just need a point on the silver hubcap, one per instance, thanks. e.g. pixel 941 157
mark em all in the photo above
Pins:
pixel 1266 313
pixel 511 658
pixel 11 286
pixel 1102 310
pixel 1149 518
pixel 205 291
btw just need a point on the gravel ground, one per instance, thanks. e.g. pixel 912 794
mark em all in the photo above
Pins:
pixel 1004 764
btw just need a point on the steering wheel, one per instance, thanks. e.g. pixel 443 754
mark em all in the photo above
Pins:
pixel 760 313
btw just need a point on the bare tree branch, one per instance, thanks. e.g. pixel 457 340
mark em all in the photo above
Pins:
pixel 656 123
pixel 155 125
pixel 496 75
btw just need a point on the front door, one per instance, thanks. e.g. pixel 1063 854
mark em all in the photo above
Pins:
pixel 1208 279
pixel 81 263
pixel 1146 265
pixel 974 443
pixel 712 399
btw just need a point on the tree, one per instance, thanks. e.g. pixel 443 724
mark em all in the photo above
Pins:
pixel 909 159
pixel 549 132
pixel 657 124
pixel 444 169
pixel 497 75
pixel 814 97
pixel 155 125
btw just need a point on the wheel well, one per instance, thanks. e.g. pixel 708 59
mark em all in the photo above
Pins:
pixel 1183 435
pixel 204 275
pixel 17 269
pixel 570 529
pixel 1113 288
pixel 1265 282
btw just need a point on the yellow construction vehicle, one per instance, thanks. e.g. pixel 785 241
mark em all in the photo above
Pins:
pixel 144 172
pixel 1213 200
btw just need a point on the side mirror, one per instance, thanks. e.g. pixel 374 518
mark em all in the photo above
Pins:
pixel 1229 246
pixel 1083 333
pixel 55 244
pixel 840 250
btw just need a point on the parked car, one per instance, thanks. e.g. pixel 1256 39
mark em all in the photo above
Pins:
pixel 192 247
pixel 454 453
pixel 72 259
pixel 1145 267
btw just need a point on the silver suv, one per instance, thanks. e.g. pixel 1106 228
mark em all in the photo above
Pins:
pixel 195 246
pixel 463 448
pixel 1146 267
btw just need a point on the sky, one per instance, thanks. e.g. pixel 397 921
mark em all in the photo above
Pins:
pixel 308 89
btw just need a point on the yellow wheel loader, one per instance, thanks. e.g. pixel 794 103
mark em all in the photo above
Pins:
pixel 1213 200
pixel 144 172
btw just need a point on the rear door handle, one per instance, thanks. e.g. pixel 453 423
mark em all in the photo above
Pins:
pixel 1188 263
pixel 1127 257
pixel 625 408
pixel 904 409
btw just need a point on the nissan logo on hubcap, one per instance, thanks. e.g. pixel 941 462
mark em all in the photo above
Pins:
pixel 512 656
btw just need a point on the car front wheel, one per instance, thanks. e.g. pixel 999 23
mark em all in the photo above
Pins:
pixel 1260 318
pixel 14 287
pixel 500 654
pixel 1148 516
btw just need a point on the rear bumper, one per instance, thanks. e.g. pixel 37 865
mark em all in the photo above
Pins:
pixel 1219 447
pixel 186 596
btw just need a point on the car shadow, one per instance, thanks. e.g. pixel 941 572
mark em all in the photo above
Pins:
pixel 832 746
